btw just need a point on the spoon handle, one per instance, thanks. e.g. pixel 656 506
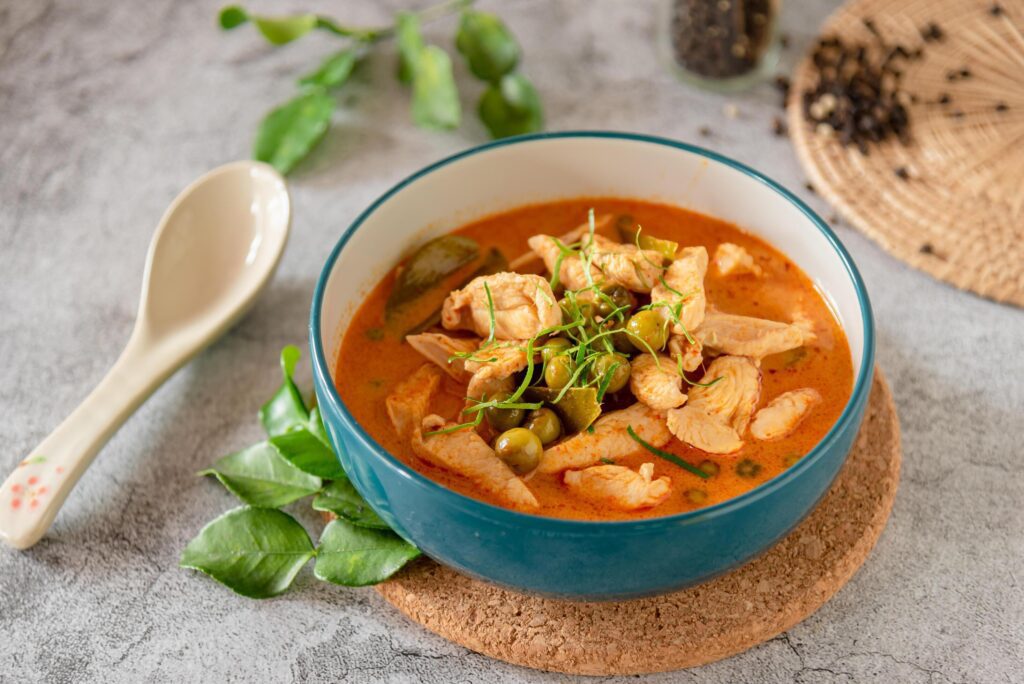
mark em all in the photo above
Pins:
pixel 35 491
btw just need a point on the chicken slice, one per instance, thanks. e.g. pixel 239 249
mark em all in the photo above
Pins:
pixel 783 413
pixel 492 367
pixel 610 262
pixel 806 325
pixel 608 440
pixel 679 346
pixel 706 432
pixel 523 305
pixel 655 381
pixel 409 403
pixel 619 487
pixel 684 283
pixel 747 336
pixel 732 398
pixel 627 265
pixel 464 452
pixel 487 370
pixel 524 261
pixel 718 411
pixel 499 358
pixel 571 271
pixel 489 386
pixel 731 259
pixel 442 351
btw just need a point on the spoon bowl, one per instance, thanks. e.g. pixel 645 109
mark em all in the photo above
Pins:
pixel 216 246
pixel 213 252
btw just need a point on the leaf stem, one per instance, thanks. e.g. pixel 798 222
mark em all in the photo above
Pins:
pixel 379 33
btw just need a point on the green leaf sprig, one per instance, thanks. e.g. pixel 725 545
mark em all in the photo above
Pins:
pixel 509 105
pixel 257 550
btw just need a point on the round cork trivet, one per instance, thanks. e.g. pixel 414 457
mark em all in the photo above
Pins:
pixel 959 215
pixel 687 628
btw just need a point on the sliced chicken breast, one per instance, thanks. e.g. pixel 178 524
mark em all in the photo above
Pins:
pixel 734 396
pixel 636 269
pixel 748 336
pixel 492 367
pixel 717 414
pixel 655 381
pixel 524 261
pixel 691 354
pixel 442 351
pixel 684 284
pixel 610 262
pixel 410 401
pixel 464 452
pixel 608 440
pixel 731 259
pixel 523 305
pixel 783 413
pixel 703 431
pixel 619 487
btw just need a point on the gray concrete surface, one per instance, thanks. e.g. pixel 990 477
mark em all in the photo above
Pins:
pixel 108 109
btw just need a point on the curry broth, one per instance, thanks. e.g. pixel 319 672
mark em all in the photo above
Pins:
pixel 373 358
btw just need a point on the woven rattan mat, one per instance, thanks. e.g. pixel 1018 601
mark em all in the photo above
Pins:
pixel 960 214
pixel 692 627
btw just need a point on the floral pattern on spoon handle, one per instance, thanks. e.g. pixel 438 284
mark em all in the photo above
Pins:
pixel 31 496
pixel 37 480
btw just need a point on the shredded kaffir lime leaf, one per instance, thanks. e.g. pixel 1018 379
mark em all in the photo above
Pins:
pixel 671 458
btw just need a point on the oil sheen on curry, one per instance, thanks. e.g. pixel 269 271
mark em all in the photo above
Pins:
pixel 597 359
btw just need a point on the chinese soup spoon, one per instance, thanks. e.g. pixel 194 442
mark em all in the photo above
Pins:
pixel 213 252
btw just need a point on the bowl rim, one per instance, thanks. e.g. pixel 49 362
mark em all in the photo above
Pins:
pixel 497 514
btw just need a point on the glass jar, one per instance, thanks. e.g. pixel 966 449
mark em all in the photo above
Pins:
pixel 722 45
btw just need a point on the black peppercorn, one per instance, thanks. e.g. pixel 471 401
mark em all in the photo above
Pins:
pixel 857 96
pixel 721 39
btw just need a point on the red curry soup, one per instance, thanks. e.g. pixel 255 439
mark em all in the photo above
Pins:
pixel 596 359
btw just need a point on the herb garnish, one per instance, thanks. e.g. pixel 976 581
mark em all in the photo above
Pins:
pixel 490 313
pixel 508 106
pixel 455 428
pixel 257 550
pixel 672 458
pixel 589 335
pixel 587 344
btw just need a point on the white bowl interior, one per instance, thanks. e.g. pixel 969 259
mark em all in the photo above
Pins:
pixel 538 170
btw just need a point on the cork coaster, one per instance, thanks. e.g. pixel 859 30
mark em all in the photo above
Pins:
pixel 687 628
pixel 959 215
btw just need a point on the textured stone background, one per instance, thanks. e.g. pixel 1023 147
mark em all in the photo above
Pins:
pixel 108 109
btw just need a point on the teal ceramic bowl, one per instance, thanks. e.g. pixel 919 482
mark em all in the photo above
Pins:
pixel 565 558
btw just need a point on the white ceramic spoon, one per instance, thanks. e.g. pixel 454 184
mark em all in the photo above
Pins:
pixel 213 252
